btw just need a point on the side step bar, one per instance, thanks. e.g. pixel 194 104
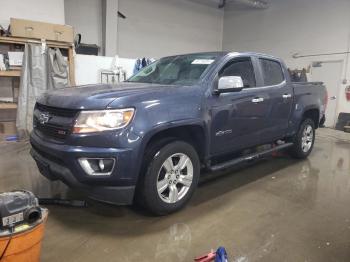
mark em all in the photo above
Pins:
pixel 248 157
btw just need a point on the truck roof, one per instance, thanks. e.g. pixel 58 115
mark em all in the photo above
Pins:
pixel 223 53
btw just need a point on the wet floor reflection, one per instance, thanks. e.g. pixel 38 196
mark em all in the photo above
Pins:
pixel 278 209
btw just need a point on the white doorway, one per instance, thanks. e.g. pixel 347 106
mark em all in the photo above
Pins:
pixel 329 72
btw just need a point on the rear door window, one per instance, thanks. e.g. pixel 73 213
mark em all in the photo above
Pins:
pixel 272 72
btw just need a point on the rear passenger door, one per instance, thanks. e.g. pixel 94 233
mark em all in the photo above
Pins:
pixel 280 92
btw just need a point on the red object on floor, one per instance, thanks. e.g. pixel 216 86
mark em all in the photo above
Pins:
pixel 206 258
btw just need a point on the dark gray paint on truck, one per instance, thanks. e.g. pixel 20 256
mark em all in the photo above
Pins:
pixel 159 109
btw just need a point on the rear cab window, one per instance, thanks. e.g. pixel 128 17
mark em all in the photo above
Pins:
pixel 272 72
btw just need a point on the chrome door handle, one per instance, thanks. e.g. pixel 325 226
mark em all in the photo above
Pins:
pixel 333 98
pixel 287 96
pixel 257 100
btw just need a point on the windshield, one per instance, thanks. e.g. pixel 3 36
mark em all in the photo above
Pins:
pixel 175 70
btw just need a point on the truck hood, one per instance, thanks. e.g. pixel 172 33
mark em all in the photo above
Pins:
pixel 97 96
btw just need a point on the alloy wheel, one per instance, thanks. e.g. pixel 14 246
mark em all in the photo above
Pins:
pixel 175 178
pixel 307 138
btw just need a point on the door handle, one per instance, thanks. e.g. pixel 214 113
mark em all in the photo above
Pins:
pixel 333 98
pixel 286 96
pixel 257 99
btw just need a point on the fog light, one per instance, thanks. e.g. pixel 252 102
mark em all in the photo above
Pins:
pixel 97 166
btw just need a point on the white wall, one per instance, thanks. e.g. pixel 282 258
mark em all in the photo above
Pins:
pixel 152 28
pixel 288 27
pixel 40 10
pixel 86 18
pixel 156 28
pixel 88 67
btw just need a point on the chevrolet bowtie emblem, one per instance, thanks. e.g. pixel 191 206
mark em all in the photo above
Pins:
pixel 44 118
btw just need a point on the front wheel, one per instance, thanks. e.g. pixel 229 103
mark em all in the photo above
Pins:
pixel 171 178
pixel 303 141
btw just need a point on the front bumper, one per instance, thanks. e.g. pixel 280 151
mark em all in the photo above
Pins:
pixel 60 162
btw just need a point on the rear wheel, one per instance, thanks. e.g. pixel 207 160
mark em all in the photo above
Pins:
pixel 171 177
pixel 303 141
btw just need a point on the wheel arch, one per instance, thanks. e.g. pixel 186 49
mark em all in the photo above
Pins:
pixel 192 133
pixel 313 114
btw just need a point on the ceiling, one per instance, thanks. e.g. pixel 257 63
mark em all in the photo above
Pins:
pixel 256 4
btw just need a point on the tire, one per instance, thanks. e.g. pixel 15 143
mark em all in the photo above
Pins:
pixel 304 140
pixel 165 188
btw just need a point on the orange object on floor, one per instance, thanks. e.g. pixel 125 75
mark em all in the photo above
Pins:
pixel 25 242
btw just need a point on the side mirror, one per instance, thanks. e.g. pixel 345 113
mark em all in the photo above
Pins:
pixel 230 84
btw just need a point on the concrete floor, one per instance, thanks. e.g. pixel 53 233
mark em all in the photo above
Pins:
pixel 276 210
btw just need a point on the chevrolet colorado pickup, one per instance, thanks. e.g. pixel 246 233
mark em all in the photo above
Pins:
pixel 148 138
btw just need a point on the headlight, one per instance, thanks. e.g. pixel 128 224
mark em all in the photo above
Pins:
pixel 101 120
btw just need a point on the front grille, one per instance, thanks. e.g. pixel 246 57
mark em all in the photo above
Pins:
pixel 57 111
pixel 52 130
pixel 58 123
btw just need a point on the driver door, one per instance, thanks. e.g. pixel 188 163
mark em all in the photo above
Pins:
pixel 237 118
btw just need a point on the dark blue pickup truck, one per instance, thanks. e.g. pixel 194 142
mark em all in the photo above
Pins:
pixel 147 139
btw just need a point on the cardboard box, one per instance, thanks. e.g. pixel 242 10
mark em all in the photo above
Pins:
pixel 41 30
